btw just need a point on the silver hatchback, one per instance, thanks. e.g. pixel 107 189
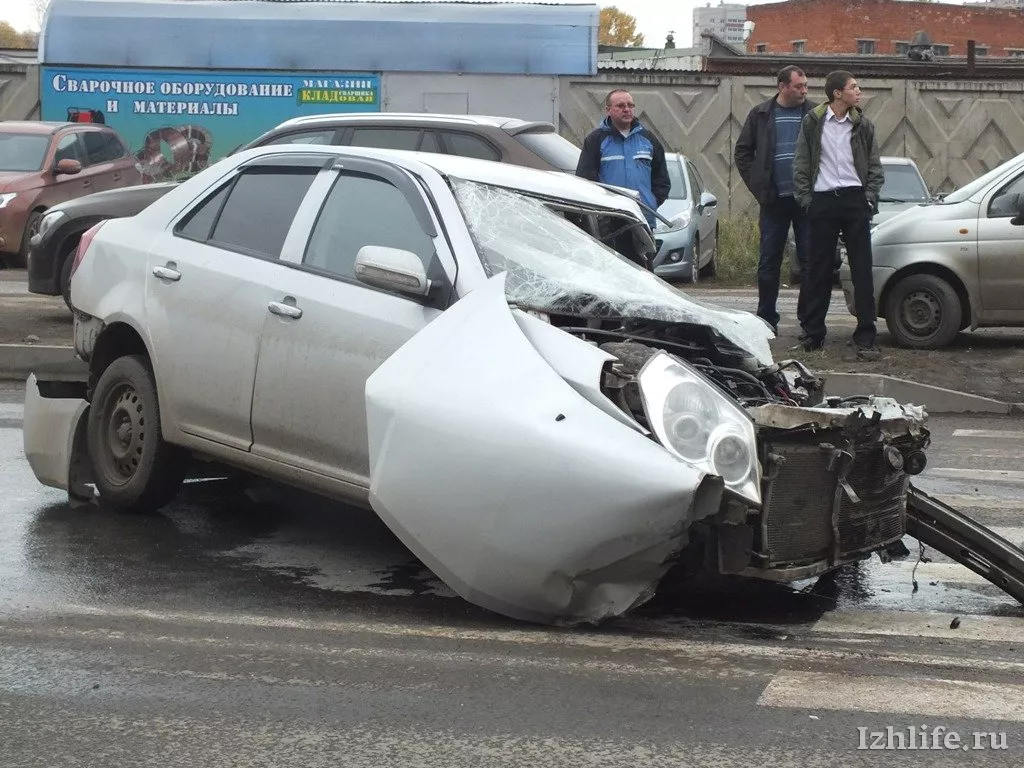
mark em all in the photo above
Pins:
pixel 952 264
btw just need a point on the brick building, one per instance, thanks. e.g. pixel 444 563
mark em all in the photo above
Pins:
pixel 884 27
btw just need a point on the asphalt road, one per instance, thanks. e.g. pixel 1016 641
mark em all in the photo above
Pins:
pixel 267 627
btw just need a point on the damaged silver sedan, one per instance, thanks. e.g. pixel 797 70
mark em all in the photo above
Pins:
pixel 470 350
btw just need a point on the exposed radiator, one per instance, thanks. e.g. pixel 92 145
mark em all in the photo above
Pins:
pixel 797 525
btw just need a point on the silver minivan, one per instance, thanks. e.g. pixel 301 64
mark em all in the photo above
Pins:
pixel 951 264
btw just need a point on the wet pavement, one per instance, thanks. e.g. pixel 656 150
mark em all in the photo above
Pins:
pixel 264 622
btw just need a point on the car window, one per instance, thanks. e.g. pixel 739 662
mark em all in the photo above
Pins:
pixel 559 152
pixel 430 143
pixel 198 224
pixel 22 151
pixel 903 184
pixel 696 180
pixel 675 177
pixel 259 209
pixel 1006 202
pixel 69 147
pixel 363 210
pixel 386 138
pixel 325 136
pixel 464 145
pixel 102 147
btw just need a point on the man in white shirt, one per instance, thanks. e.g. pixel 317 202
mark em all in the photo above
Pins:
pixel 837 176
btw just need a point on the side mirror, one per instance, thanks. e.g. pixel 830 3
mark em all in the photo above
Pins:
pixel 68 166
pixel 392 269
pixel 707 200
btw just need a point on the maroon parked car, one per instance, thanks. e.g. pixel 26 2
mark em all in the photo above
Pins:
pixel 42 164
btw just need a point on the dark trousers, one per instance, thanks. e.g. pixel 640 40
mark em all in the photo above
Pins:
pixel 845 211
pixel 775 221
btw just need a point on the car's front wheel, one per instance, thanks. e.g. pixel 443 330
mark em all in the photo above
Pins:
pixel 923 312
pixel 695 262
pixel 31 227
pixel 135 470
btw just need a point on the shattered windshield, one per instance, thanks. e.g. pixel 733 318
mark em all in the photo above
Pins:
pixel 552 265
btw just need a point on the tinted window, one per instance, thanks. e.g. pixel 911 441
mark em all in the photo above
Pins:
pixel 675 176
pixel 22 152
pixel 199 222
pixel 260 208
pixel 464 145
pixel 102 147
pixel 363 210
pixel 69 148
pixel 430 143
pixel 1007 200
pixel 558 152
pixel 325 136
pixel 386 138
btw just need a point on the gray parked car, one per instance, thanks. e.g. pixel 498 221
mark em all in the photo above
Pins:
pixel 952 264
pixel 690 248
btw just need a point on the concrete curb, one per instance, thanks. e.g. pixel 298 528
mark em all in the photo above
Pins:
pixel 17 361
pixel 935 399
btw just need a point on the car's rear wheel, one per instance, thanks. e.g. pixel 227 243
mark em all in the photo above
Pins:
pixel 923 312
pixel 135 470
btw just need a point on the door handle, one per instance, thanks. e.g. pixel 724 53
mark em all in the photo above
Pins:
pixel 166 273
pixel 86 183
pixel 284 310
pixel 117 177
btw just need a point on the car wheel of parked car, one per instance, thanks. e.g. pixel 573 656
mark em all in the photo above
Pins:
pixel 31 227
pixel 711 268
pixel 134 468
pixel 695 263
pixel 923 312
pixel 65 276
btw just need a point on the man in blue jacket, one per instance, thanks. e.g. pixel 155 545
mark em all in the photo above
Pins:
pixel 622 152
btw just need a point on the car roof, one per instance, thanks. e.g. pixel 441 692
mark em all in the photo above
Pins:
pixel 545 183
pixel 32 126
pixel 511 124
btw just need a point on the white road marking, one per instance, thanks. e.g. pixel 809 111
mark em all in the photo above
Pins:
pixel 990 434
pixel 961 501
pixel 923 624
pixel 812 691
pixel 11 411
pixel 944 573
pixel 979 475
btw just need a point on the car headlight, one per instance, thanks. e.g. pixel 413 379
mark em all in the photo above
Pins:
pixel 700 425
pixel 6 197
pixel 678 221
pixel 49 220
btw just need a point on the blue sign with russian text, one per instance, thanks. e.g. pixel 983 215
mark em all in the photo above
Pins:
pixel 179 121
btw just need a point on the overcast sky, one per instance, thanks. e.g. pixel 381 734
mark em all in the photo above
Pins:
pixel 654 17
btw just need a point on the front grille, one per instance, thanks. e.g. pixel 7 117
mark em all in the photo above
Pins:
pixel 798 503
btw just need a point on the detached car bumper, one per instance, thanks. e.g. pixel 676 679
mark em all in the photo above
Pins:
pixel 53 435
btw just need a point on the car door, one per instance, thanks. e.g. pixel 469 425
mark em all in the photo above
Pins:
pixel 103 150
pixel 1001 253
pixel 70 146
pixel 308 407
pixel 210 279
pixel 706 214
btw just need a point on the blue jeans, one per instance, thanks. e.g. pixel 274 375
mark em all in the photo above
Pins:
pixel 775 221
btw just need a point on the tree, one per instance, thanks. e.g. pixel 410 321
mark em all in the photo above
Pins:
pixel 12 38
pixel 618 28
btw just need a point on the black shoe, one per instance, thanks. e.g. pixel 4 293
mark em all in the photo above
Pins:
pixel 811 345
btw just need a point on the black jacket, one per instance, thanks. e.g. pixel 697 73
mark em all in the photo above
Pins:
pixel 755 151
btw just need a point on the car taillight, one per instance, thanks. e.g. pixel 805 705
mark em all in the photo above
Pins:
pixel 83 245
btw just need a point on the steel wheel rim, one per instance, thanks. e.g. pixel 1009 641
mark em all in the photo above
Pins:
pixel 124 433
pixel 921 313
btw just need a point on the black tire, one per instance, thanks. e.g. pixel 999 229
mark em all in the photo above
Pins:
pixel 711 269
pixel 695 264
pixel 135 470
pixel 65 276
pixel 923 312
pixel 31 227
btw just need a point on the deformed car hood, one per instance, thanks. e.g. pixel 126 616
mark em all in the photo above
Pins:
pixel 506 478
